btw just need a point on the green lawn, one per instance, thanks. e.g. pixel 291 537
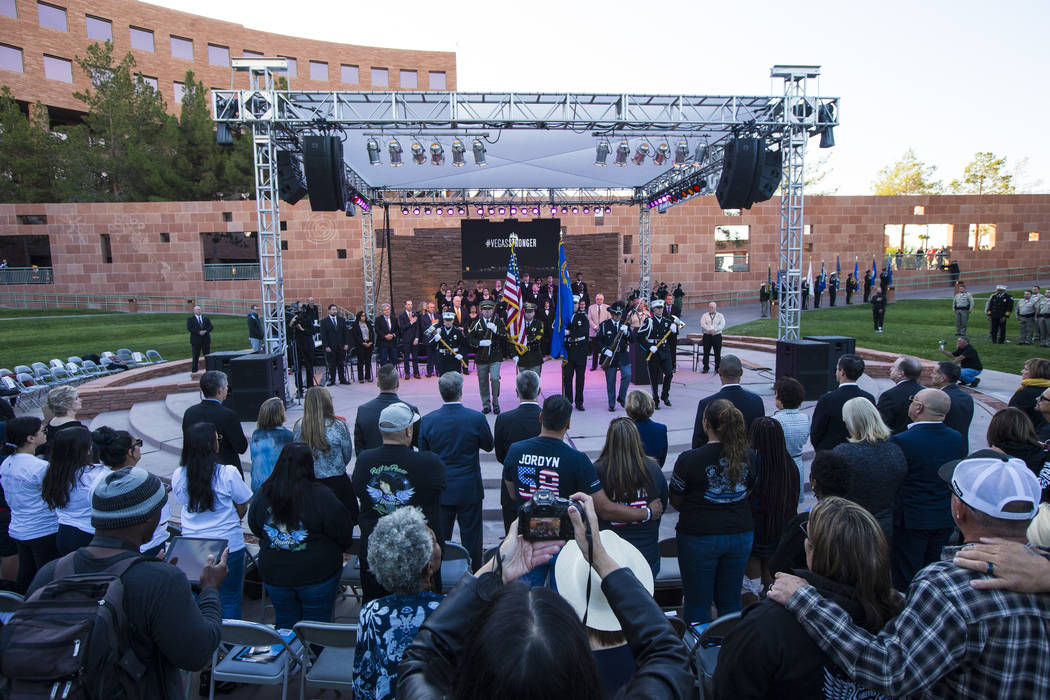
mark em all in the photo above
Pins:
pixel 38 337
pixel 911 327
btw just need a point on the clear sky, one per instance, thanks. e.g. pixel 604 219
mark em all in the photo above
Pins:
pixel 944 78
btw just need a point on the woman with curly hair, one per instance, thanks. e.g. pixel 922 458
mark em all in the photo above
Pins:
pixel 403 554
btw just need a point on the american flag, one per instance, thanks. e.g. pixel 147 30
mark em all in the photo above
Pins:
pixel 515 310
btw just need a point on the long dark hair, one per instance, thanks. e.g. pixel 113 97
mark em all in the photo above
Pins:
pixel 776 491
pixel 727 420
pixel 70 455
pixel 623 464
pixel 199 458
pixel 17 431
pixel 547 642
pixel 112 446
pixel 285 488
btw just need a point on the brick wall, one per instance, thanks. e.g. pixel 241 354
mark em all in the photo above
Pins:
pixel 35 41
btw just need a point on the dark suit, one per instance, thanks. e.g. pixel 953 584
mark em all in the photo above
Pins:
pixel 922 515
pixel 893 404
pixel 425 321
pixel 514 426
pixel 201 344
pixel 960 415
pixel 456 434
pixel 366 426
pixel 828 429
pixel 335 338
pixel 748 403
pixel 654 439
pixel 232 442
pixel 364 353
pixel 408 330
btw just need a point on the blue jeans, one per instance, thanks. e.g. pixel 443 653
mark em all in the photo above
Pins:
pixel 231 589
pixel 294 603
pixel 968 374
pixel 712 569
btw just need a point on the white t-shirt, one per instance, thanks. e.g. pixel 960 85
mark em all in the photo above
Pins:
pixel 22 476
pixel 222 520
pixel 77 513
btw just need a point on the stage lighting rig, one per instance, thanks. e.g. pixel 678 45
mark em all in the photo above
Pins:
pixel 437 154
pixel 681 154
pixel 601 152
pixel 458 151
pixel 372 146
pixel 395 153
pixel 479 152
pixel 419 154
pixel 623 151
pixel 640 153
pixel 662 152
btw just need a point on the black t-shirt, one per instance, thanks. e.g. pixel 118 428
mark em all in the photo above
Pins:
pixel 548 463
pixel 969 357
pixel 388 477
pixel 711 504
pixel 644 536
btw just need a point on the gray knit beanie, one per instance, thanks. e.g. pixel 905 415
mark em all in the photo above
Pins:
pixel 126 497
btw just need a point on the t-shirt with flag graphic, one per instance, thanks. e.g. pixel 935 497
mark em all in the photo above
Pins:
pixel 643 535
pixel 548 463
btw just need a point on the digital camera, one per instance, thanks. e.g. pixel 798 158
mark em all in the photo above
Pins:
pixel 546 517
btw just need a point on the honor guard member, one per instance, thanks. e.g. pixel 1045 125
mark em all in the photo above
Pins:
pixel 1043 318
pixel 652 340
pixel 532 357
pixel 487 335
pixel 997 309
pixel 448 342
pixel 614 339
pixel 962 303
pixel 578 351
pixel 1037 332
pixel 1026 310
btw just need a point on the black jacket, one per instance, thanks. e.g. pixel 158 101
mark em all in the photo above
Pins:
pixel 334 335
pixel 358 339
pixel 960 415
pixel 768 654
pixel 384 326
pixel 513 426
pixel 232 442
pixel 366 427
pixel 893 404
pixel 194 328
pixel 828 429
pixel 255 329
pixel 430 663
pixel 1025 399
pixel 747 402
pixel 407 327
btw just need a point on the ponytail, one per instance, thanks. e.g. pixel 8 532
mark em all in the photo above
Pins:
pixel 728 422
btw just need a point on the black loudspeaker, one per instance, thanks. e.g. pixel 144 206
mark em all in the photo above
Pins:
pixel 253 379
pixel 739 164
pixel 290 185
pixel 806 361
pixel 839 345
pixel 220 362
pixel 323 165
pixel 767 175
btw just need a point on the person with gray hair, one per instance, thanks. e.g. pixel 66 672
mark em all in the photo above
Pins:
pixel 514 426
pixel 457 434
pixel 404 555
pixel 232 440
pixel 893 403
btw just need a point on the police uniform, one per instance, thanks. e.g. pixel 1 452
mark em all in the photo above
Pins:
pixel 1037 331
pixel 488 355
pixel 833 288
pixel 449 359
pixel 878 309
pixel 532 358
pixel 651 332
pixel 1043 317
pixel 962 303
pixel 1026 311
pixel 577 350
pixel 851 288
pixel 997 309
pixel 614 341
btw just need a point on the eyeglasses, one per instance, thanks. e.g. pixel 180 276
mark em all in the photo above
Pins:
pixel 137 443
pixel 1042 398
pixel 805 529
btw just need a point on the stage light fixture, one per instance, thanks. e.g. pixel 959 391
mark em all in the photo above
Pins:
pixel 601 152
pixel 502 211
pixel 415 211
pixel 575 210
pixel 662 151
pixel 361 203
pixel 461 211
pixel 564 210
pixel 608 210
pixel 827 136
pixel 372 146
pixel 437 154
pixel 640 153
pixel 700 155
pixel 586 210
pixel 623 151
pixel 479 153
pixel 427 211
pixel 554 211
pixel 395 153
pixel 535 211
pixel 439 211
pixel 452 211
pixel 492 211
pixel 481 211
pixel 458 151
pixel 681 154
pixel 513 211
pixel 419 155
pixel 404 211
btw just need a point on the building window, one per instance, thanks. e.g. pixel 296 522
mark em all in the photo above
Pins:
pixel 8 9
pixel 32 219
pixel 349 75
pixel 732 241
pixel 165 238
pixel 730 212
pixel 152 82
pixel 919 210
pixel 628 244
pixel 437 80
pixel 218 55
pixel 731 262
pixel 293 66
pixel 251 54
pixel 982 236
pixel 26 251
pixel 380 77
pixel 409 80
pixel 227 216
pixel 141 39
pixel 674 249
pixel 284 225
pixel 51 16
pixel 807 230
pixel 319 71
pixel 98 29
pixel 107 248
pixel 340 253
pixel 56 68
pixel 179 92
pixel 11 59
pixel 181 48
pixel 284 245
pixel 229 248
pixel 1033 236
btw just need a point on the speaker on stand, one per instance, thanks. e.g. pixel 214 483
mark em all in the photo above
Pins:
pixel 325 174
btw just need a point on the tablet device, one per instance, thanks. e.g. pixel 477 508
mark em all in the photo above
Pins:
pixel 192 554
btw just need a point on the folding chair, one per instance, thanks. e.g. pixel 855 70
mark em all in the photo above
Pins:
pixel 154 356
pixel 670 575
pixel 705 651
pixel 31 391
pixel 76 373
pixel 136 359
pixel 42 373
pixel 57 363
pixel 455 561
pixel 351 576
pixel 75 359
pixel 4 372
pixel 22 369
pixel 61 376
pixel 243 634
pixel 123 351
pixel 333 667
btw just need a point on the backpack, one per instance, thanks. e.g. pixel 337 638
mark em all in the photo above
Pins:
pixel 69 639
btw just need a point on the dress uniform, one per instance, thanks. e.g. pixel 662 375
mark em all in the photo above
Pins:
pixel 649 336
pixel 532 358
pixel 577 351
pixel 614 339
pixel 998 309
pixel 449 343
pixel 487 335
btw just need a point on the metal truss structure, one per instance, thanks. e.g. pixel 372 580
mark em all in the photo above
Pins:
pixel 279 120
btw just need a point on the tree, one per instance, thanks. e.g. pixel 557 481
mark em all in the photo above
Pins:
pixel 28 153
pixel 908 175
pixel 985 174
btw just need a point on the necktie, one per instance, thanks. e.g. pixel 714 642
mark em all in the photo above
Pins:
pixel 200 322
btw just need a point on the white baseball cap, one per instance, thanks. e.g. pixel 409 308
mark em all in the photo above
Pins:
pixel 397 417
pixel 989 484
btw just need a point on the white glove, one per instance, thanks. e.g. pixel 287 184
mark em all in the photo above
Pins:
pixel 458 356
pixel 484 343
pixel 566 332
pixel 515 359
pixel 653 349
pixel 674 329
pixel 624 328
pixel 608 353
pixel 492 327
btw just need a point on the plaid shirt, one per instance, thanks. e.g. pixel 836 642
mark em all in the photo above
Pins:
pixel 950 641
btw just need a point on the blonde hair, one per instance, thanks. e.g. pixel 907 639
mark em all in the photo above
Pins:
pixel 639 405
pixel 1039 528
pixel 60 400
pixel 864 422
pixel 317 411
pixel 271 414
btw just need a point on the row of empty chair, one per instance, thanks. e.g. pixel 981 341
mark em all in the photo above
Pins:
pixel 31 383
